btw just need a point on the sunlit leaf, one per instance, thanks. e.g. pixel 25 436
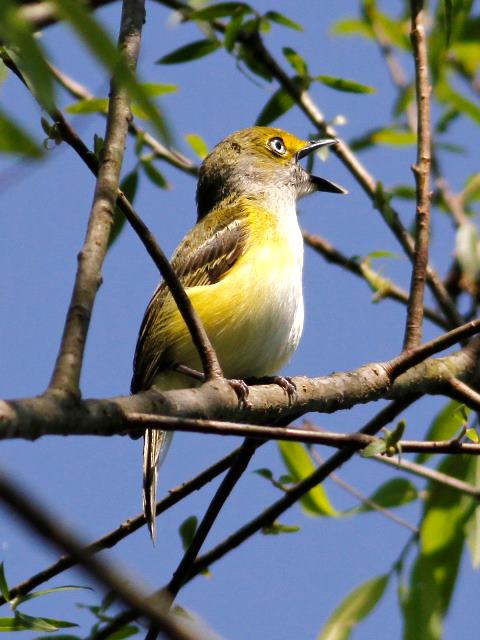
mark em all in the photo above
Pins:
pixel 354 608
pixel 374 448
pixel 44 592
pixel 473 524
pixel 280 102
pixel 198 144
pixel 350 86
pixel 14 140
pixel 393 493
pixel 394 137
pixel 296 61
pixel 221 10
pixel 191 51
pixel 444 426
pixel 154 174
pixel 458 101
pixel 279 18
pixel 404 191
pixel 300 466
pixel 92 105
pixel 352 27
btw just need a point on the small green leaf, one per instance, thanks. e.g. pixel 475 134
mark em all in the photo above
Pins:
pixel 404 191
pixel 279 18
pixel 189 52
pixel 128 186
pixel 264 473
pixel 15 140
pixel 232 30
pixel 153 173
pixel 4 590
pixel 92 105
pixel 275 528
pixel 458 101
pixel 472 434
pixel 38 594
pixel 198 144
pixel 374 448
pixel 24 622
pixel 352 27
pixel 300 466
pixel 354 608
pixel 187 531
pixel 296 61
pixel 155 89
pixel 394 137
pixel 279 103
pixel 340 84
pixel 374 255
pixel 393 493
pixel 445 425
pixel 221 10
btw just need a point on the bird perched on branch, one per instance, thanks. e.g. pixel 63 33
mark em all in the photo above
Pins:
pixel 241 266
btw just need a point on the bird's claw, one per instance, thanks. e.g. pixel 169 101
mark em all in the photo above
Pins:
pixel 241 389
pixel 287 384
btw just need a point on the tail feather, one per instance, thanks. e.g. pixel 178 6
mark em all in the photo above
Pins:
pixel 155 446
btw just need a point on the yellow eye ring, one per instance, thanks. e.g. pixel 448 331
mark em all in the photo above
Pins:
pixel 277 145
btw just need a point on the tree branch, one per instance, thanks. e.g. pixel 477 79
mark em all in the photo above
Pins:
pixel 421 170
pixel 66 374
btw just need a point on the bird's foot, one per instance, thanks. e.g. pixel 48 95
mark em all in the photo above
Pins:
pixel 286 383
pixel 241 389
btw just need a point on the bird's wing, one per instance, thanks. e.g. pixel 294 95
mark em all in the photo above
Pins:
pixel 203 258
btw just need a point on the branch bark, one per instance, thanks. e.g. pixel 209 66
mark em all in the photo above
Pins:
pixel 421 170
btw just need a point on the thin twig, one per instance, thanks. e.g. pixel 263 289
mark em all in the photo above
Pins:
pixel 463 393
pixel 431 474
pixel 128 527
pixel 365 500
pixel 53 532
pixel 421 170
pixel 66 374
pixel 383 287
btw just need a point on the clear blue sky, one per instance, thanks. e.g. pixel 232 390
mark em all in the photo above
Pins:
pixel 280 587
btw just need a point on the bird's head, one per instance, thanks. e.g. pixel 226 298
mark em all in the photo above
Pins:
pixel 256 161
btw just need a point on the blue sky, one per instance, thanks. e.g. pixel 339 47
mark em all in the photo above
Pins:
pixel 277 587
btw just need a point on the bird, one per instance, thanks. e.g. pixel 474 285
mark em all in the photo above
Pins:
pixel 241 266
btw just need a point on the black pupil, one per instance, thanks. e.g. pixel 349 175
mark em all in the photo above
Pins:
pixel 278 145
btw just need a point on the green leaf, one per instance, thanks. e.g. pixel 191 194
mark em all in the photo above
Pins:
pixel 92 105
pixel 354 608
pixel 394 137
pixel 275 528
pixel 221 10
pixel 264 473
pixel 374 448
pixel 448 20
pixel 296 61
pixel 126 632
pixel 458 101
pixel 381 253
pixel 232 30
pixel 300 466
pixel 106 52
pixel 467 252
pixel 393 493
pixel 442 538
pixel 128 186
pixel 4 590
pixel 352 27
pixel 472 435
pixel 350 86
pixel 198 144
pixel 44 592
pixel 189 52
pixel 473 524
pixel 404 191
pixel 187 531
pixel 23 622
pixel 444 426
pixel 252 62
pixel 279 103
pixel 153 173
pixel 16 32
pixel 15 140
pixel 155 89
pixel 279 18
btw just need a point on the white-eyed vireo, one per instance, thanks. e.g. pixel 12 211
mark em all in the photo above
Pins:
pixel 241 266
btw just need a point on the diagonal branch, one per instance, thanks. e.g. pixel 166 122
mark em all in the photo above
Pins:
pixel 66 374
pixel 421 170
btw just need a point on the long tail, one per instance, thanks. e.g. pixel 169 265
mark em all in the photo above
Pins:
pixel 155 446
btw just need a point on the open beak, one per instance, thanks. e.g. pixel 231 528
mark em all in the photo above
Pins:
pixel 320 184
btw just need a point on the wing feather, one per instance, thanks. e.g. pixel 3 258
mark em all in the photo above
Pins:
pixel 203 258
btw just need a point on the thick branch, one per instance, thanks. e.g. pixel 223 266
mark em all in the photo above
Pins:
pixel 31 418
pixel 66 375
pixel 413 330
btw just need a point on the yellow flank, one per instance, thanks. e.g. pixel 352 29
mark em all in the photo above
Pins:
pixel 254 313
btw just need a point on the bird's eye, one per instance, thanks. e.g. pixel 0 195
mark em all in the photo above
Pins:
pixel 278 146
